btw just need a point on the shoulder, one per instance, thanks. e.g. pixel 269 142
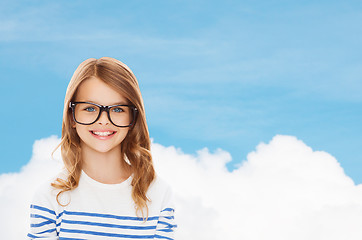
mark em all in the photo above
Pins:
pixel 45 186
pixel 159 184
pixel 160 189
pixel 45 194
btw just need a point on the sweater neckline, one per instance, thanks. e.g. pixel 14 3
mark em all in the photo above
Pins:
pixel 94 182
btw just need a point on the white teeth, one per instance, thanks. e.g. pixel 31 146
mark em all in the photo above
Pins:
pixel 103 133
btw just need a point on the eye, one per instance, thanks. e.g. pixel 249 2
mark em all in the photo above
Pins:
pixel 90 109
pixel 117 109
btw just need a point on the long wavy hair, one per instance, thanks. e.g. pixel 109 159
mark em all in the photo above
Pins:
pixel 135 147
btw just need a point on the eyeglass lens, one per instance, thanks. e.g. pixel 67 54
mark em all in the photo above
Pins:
pixel 87 113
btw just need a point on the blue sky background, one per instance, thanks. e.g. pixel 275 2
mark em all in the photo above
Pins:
pixel 216 74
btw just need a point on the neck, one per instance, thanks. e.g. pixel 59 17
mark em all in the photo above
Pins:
pixel 104 167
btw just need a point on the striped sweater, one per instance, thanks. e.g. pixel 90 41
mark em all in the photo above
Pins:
pixel 101 211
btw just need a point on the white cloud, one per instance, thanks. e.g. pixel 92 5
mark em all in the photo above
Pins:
pixel 284 190
pixel 16 189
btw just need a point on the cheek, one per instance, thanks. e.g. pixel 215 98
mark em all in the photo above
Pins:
pixel 123 134
pixel 81 131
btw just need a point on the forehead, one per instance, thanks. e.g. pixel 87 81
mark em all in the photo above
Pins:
pixel 95 90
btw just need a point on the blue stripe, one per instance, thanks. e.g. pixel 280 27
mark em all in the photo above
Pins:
pixel 109 225
pixel 31 235
pixel 167 217
pixel 65 238
pixel 163 237
pixel 108 216
pixel 40 224
pixel 60 214
pixel 168 224
pixel 165 230
pixel 40 216
pixel 42 209
pixel 47 231
pixel 168 209
pixel 106 234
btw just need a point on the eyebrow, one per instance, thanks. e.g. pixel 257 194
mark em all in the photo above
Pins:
pixel 117 103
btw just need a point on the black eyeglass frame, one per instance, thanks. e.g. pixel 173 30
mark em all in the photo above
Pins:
pixel 105 108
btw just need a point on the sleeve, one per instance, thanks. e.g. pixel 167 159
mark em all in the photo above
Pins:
pixel 43 217
pixel 166 225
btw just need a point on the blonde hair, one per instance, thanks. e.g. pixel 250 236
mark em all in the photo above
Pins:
pixel 135 147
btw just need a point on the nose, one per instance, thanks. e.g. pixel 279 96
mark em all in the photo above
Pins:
pixel 103 118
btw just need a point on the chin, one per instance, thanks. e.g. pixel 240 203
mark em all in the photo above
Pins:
pixel 103 150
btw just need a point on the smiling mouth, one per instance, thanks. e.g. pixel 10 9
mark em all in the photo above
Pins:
pixel 103 134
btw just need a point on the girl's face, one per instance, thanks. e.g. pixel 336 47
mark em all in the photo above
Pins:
pixel 95 137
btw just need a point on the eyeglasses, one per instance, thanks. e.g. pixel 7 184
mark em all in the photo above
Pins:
pixel 87 113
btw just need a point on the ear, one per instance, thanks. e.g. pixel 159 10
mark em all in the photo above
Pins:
pixel 72 122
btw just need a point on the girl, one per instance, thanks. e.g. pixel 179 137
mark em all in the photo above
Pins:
pixel 108 189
